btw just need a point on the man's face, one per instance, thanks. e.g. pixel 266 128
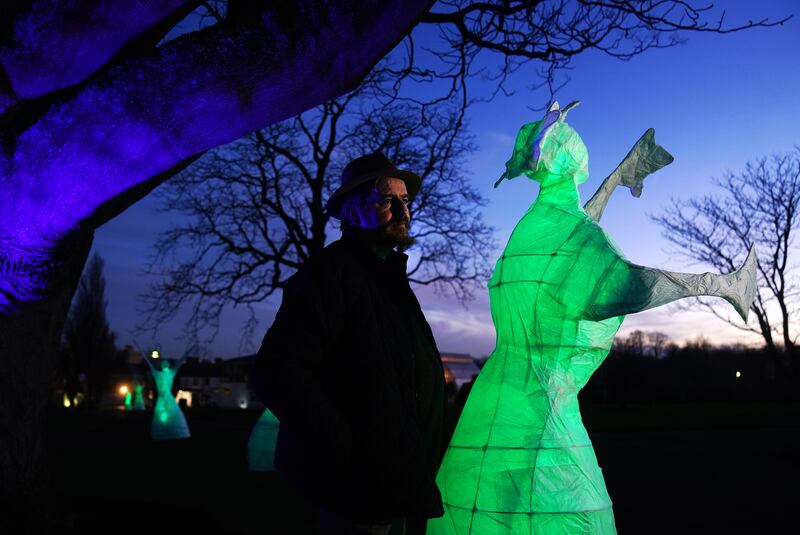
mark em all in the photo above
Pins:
pixel 386 213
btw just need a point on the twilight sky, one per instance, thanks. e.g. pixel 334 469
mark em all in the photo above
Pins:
pixel 716 102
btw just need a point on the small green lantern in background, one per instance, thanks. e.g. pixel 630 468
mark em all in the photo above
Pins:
pixel 169 421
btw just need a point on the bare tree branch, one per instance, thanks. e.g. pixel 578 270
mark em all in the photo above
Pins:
pixel 551 32
pixel 759 205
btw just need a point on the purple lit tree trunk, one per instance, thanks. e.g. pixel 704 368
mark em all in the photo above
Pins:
pixel 95 115
pixel 28 338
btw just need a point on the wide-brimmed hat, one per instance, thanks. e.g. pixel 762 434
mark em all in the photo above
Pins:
pixel 365 169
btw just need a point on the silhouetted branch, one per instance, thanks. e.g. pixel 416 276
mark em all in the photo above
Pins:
pixel 551 32
pixel 759 205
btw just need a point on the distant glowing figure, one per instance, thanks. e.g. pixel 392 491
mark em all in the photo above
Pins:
pixel 138 397
pixel 168 419
pixel 128 402
pixel 261 445
pixel 520 460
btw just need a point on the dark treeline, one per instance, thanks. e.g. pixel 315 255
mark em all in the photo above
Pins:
pixel 647 368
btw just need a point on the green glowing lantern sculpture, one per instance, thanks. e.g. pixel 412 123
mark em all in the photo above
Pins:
pixel 138 397
pixel 261 444
pixel 520 460
pixel 128 401
pixel 168 419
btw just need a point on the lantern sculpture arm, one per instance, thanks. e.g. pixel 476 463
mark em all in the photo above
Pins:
pixel 627 288
pixel 645 158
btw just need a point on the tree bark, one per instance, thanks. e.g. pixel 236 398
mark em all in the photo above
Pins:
pixel 28 342
pixel 48 54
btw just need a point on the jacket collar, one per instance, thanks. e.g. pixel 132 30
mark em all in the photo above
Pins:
pixel 358 247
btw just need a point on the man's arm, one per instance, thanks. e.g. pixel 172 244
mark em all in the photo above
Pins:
pixel 291 356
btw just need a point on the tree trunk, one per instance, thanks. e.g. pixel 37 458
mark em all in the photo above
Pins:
pixel 765 328
pixel 29 338
pixel 788 343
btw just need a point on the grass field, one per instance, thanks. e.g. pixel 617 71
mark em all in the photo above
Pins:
pixel 693 468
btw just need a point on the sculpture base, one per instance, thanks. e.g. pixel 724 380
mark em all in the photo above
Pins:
pixel 469 522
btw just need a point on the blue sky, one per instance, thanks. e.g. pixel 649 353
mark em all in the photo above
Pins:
pixel 716 102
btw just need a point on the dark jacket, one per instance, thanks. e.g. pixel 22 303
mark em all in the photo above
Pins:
pixel 337 369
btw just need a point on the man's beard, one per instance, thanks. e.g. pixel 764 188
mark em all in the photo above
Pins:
pixel 397 232
pixel 393 233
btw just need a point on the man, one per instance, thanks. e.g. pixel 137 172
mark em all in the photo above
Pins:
pixel 351 369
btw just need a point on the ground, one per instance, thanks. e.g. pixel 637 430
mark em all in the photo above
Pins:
pixel 701 468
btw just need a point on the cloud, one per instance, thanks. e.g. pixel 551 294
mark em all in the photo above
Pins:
pixel 502 138
pixel 462 334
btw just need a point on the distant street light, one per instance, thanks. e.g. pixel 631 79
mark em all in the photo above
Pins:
pixel 738 374
pixel 123 390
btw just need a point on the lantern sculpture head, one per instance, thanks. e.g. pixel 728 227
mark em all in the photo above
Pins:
pixel 549 150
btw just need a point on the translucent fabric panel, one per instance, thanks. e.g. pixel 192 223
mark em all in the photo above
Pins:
pixel 169 423
pixel 262 441
pixel 520 460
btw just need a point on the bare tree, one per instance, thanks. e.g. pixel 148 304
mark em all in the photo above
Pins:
pixel 88 340
pixel 640 343
pixel 257 206
pixel 635 343
pixel 759 205
pixel 658 344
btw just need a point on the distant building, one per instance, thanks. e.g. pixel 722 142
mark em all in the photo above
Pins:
pixel 223 383
pixel 200 383
pixel 459 368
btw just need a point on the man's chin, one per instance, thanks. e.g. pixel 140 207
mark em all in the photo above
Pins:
pixel 404 242
pixel 398 236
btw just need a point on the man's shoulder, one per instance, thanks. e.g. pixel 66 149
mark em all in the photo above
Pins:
pixel 336 253
pixel 329 263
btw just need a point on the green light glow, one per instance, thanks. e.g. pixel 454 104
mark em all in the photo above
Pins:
pixel 261 445
pixel 520 460
pixel 138 398
pixel 128 401
pixel 168 419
